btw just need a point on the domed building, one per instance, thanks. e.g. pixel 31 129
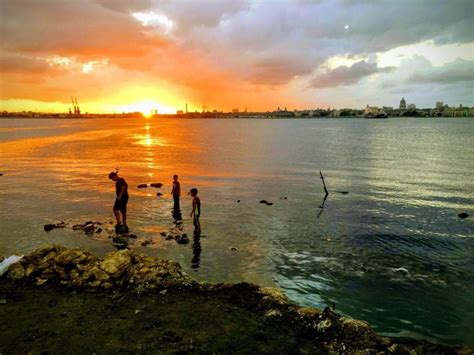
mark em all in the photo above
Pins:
pixel 403 104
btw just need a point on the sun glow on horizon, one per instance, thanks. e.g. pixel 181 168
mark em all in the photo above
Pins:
pixel 147 107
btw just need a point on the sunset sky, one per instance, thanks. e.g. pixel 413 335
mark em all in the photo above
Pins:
pixel 119 55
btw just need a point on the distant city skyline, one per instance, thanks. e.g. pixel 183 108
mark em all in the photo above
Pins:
pixel 144 55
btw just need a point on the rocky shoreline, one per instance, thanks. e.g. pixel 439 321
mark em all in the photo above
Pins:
pixel 137 303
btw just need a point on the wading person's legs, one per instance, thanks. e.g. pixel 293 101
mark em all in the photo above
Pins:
pixel 117 216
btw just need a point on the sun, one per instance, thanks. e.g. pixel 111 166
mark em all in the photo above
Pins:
pixel 146 107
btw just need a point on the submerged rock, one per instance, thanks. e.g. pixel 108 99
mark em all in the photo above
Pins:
pixel 51 226
pixel 146 242
pixel 463 215
pixel 156 184
pixel 48 227
pixel 142 186
pixel 182 239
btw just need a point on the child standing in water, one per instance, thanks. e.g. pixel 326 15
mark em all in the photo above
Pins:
pixel 120 205
pixel 176 191
pixel 196 212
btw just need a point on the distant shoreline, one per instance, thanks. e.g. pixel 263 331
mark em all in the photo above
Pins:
pixel 173 117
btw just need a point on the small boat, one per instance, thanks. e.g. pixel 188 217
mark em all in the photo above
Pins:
pixel 379 115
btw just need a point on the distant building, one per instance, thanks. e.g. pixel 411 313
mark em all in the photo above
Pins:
pixel 403 104
pixel 179 112
pixel 235 110
pixel 411 106
pixel 371 110
pixel 439 105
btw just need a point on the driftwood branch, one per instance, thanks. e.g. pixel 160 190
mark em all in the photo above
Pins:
pixel 324 184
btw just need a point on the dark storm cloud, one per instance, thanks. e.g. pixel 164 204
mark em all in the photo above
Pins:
pixel 347 75
pixel 451 73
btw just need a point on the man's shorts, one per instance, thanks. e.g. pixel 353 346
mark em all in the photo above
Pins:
pixel 121 205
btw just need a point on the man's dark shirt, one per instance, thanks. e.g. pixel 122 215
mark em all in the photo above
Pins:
pixel 118 187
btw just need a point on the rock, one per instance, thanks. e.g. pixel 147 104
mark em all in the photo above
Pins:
pixel 146 242
pixel 120 246
pixel 238 201
pixel 120 239
pixel 142 186
pixel 1 258
pixel 89 229
pixel 182 239
pixel 70 257
pixel 273 294
pixel 116 263
pixel 3 301
pixel 159 194
pixel 16 271
pixel 273 313
pixel 156 184
pixel 463 215
pixel 133 236
pixel 77 227
pixel 163 292
pixel 99 230
pixel 48 227
pixel 163 234
pixel 169 237
pixel 358 332
pixel 233 248
pixel 265 202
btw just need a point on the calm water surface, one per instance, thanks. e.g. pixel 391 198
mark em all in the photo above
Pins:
pixel 392 251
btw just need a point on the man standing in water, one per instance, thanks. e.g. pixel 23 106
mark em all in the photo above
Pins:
pixel 176 191
pixel 120 205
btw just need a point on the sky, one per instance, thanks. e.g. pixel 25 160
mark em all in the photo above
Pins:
pixel 139 55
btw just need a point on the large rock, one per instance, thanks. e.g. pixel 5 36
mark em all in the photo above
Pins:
pixel 16 271
pixel 116 263
pixel 71 257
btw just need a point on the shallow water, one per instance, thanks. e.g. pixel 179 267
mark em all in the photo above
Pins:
pixel 392 251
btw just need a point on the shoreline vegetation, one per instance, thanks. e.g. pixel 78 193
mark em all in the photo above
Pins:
pixel 58 299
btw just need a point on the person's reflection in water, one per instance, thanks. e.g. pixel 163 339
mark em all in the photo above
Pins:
pixel 196 251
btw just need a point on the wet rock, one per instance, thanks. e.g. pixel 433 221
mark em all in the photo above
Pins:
pixel 463 215
pixel 169 237
pixel 133 236
pixel 182 239
pixel 238 201
pixel 120 246
pixel 89 229
pixel 48 227
pixel 146 242
pixel 115 263
pixel 163 234
pixel 273 294
pixel 99 230
pixel 77 227
pixel 359 332
pixel 156 184
pixel 265 202
pixel 159 194
pixel 142 186
pixel 233 248
pixel 120 239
